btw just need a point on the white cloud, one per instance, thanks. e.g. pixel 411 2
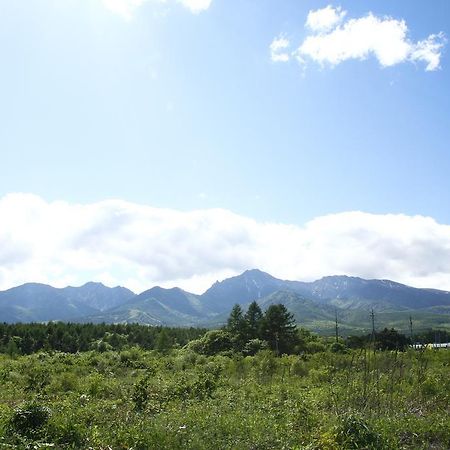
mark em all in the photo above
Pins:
pixel 196 6
pixel 139 246
pixel 325 19
pixel 429 50
pixel 357 39
pixel 128 8
pixel 278 49
pixel 124 8
pixel 334 40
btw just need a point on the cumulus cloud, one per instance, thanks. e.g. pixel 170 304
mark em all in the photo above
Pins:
pixel 139 246
pixel 325 19
pixel 128 8
pixel 334 40
pixel 278 49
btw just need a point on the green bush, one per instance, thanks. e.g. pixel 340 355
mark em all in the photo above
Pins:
pixel 29 419
pixel 299 368
pixel 354 433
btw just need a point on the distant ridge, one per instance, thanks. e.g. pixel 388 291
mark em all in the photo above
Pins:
pixel 35 302
pixel 313 303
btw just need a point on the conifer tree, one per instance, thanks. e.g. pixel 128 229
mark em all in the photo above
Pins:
pixel 253 317
pixel 279 329
pixel 237 327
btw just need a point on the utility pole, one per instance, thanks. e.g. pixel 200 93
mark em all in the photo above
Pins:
pixel 372 316
pixel 411 330
pixel 337 326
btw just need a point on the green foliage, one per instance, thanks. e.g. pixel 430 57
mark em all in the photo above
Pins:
pixel 391 340
pixel 163 341
pixel 338 347
pixel 181 399
pixel 299 368
pixel 237 326
pixel 354 433
pixel 213 342
pixel 20 338
pixel 387 339
pixel 254 331
pixel 253 346
pixel 279 329
pixel 29 419
pixel 253 318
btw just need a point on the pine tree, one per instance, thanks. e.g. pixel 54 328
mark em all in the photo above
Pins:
pixel 163 342
pixel 253 317
pixel 279 329
pixel 237 327
pixel 235 320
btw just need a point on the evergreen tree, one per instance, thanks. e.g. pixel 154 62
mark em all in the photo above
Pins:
pixel 237 327
pixel 253 318
pixel 279 329
pixel 163 341
pixel 391 340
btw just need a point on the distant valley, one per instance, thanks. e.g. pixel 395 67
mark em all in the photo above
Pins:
pixel 314 304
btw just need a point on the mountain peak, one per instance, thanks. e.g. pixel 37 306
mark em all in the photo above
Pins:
pixel 250 285
pixel 256 273
pixel 93 284
pixel 159 289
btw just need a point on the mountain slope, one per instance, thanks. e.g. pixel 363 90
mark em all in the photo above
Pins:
pixel 353 292
pixel 304 309
pixel 34 302
pixel 157 306
pixel 250 285
pixel 340 291
pixel 98 295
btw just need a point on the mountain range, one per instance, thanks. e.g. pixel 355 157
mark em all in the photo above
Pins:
pixel 314 304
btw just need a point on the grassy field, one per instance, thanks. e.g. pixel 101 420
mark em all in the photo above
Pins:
pixel 146 400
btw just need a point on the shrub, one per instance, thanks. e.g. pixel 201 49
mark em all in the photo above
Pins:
pixel 37 378
pixel 338 347
pixel 354 433
pixel 29 419
pixel 299 368
pixel 266 364
pixel 254 346
pixel 213 342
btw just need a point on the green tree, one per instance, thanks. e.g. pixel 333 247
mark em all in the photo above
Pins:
pixel 163 341
pixel 237 327
pixel 253 317
pixel 253 346
pixel 212 342
pixel 12 349
pixel 391 340
pixel 279 329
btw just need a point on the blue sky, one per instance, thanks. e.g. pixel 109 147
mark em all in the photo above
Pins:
pixel 180 105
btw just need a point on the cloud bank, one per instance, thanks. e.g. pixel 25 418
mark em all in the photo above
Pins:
pixel 128 8
pixel 138 246
pixel 333 40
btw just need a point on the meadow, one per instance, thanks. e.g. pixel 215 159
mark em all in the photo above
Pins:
pixel 328 397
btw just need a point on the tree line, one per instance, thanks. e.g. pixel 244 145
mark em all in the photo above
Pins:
pixel 275 329
pixel 24 339
pixel 245 332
